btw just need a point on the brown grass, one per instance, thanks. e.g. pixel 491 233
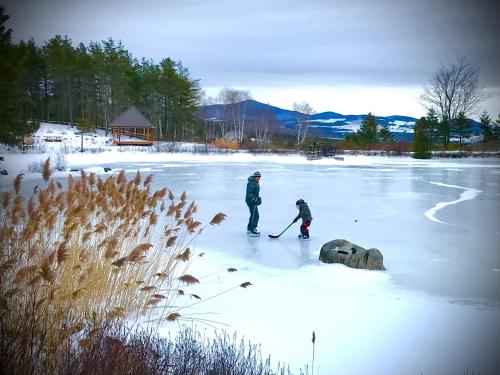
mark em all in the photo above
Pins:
pixel 46 171
pixel 226 144
pixel 17 183
pixel 217 219
pixel 85 255
pixel 188 279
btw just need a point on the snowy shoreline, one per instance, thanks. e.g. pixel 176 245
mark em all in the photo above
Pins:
pixel 18 163
pixel 99 152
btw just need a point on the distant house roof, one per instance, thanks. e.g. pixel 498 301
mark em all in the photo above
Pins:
pixel 131 118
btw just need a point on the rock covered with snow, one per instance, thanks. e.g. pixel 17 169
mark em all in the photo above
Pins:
pixel 351 255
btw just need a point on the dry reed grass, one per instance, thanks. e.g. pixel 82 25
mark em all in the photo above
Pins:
pixel 93 252
pixel 113 350
pixel 226 144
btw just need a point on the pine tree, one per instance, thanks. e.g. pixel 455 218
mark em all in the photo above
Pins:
pixel 367 134
pixel 496 128
pixel 421 141
pixel 85 84
pixel 61 61
pixel 485 124
pixel 12 96
pixel 33 72
pixel 169 91
pixel 85 126
pixel 180 97
pixel 462 127
pixel 188 101
pixel 119 70
pixel 148 97
pixel 443 133
pixel 352 138
pixel 385 135
pixel 433 120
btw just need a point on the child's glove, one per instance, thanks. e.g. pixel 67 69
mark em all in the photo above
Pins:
pixel 259 201
pixel 295 220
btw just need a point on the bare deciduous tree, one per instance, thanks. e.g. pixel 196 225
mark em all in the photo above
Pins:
pixel 213 126
pixel 205 100
pixel 304 112
pixel 235 109
pixel 453 90
pixel 264 125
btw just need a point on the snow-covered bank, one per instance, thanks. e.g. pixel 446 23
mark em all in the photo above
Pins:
pixel 364 324
pixel 18 163
pixel 99 150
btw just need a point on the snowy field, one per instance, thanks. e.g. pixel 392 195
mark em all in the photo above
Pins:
pixel 434 311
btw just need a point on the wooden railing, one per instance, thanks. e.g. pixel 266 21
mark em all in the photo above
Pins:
pixel 140 138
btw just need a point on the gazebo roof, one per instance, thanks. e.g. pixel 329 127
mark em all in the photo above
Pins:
pixel 131 118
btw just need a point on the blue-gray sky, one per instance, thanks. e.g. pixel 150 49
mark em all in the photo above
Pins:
pixel 348 56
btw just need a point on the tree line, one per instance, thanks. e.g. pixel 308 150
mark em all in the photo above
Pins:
pixel 452 95
pixel 92 82
pixel 431 132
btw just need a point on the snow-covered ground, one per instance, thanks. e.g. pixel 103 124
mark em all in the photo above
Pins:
pixel 401 127
pixel 329 120
pixel 434 311
pixel 70 138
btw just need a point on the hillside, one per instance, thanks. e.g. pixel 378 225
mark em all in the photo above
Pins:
pixel 325 124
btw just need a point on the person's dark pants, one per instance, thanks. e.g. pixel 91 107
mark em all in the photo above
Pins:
pixel 304 228
pixel 254 216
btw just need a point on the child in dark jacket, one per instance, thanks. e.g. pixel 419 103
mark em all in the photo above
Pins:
pixel 305 215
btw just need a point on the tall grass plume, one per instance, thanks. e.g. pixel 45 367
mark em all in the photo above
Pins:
pixel 85 255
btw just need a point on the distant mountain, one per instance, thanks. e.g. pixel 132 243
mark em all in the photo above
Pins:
pixel 335 125
pixel 325 124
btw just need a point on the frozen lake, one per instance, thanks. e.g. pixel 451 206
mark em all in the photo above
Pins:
pixel 396 205
pixel 436 223
pixel 436 308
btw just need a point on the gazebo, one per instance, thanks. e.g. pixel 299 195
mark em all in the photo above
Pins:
pixel 132 128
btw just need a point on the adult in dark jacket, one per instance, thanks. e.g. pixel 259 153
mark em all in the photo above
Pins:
pixel 305 215
pixel 253 200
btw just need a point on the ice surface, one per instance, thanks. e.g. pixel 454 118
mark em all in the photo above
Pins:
pixel 433 309
pixel 468 193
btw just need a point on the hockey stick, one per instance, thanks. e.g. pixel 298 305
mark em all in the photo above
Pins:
pixel 284 230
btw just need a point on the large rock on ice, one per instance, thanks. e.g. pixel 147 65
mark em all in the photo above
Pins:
pixel 352 255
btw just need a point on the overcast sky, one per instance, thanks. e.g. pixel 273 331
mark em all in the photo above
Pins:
pixel 347 56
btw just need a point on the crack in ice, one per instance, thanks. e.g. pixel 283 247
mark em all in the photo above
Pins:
pixel 468 194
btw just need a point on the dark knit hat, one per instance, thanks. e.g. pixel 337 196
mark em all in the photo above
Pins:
pixel 257 174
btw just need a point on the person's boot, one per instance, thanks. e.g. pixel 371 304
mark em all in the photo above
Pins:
pixel 254 232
